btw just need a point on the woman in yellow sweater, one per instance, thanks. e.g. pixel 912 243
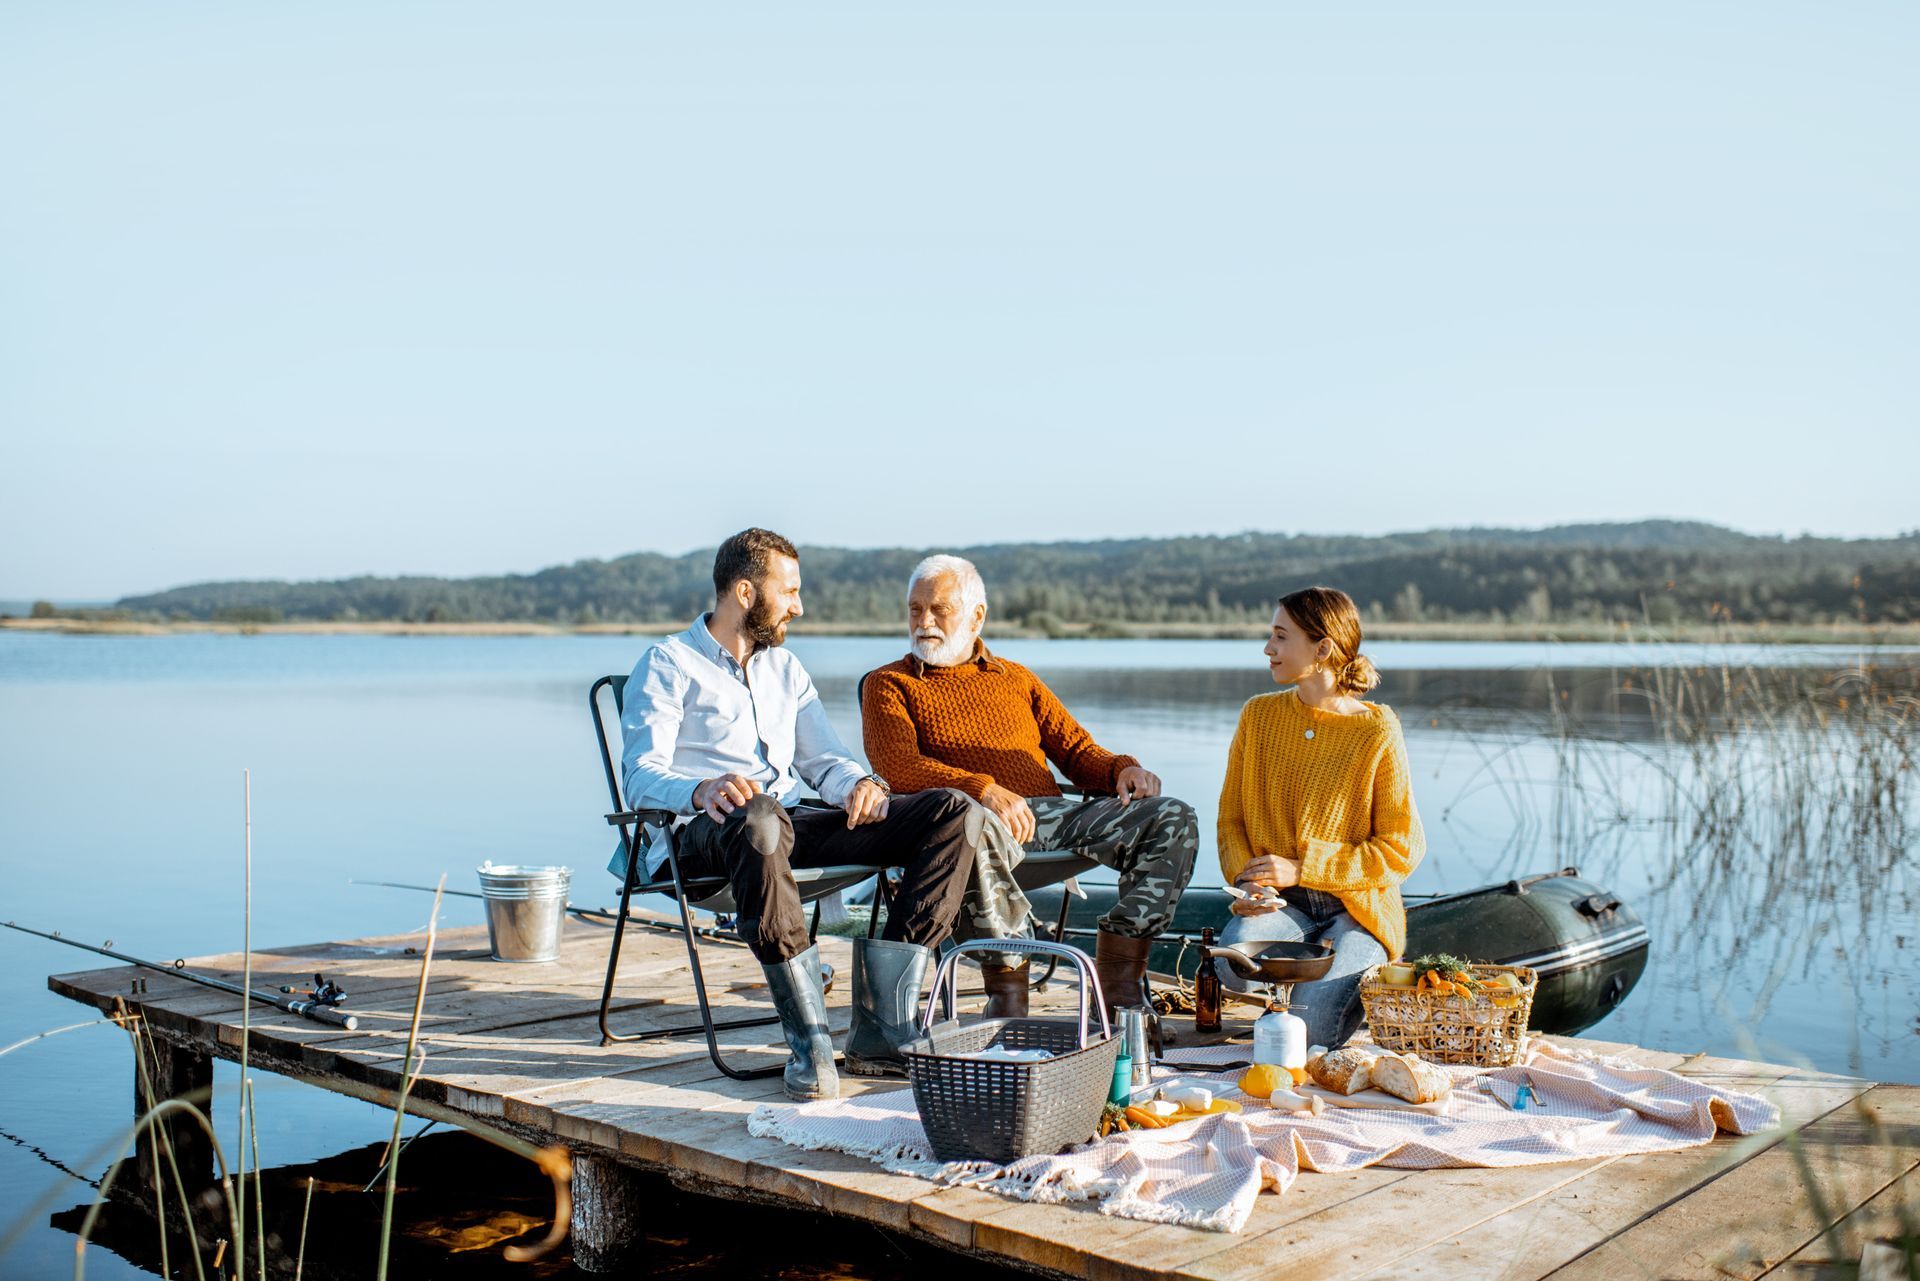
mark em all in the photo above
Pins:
pixel 1318 805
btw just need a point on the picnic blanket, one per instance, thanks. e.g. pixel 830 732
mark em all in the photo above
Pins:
pixel 1206 1173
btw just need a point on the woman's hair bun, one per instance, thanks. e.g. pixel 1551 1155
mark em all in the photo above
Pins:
pixel 1359 675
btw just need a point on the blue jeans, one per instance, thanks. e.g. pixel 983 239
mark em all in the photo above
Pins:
pixel 1330 1007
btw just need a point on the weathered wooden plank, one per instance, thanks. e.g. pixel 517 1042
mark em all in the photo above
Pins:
pixel 949 1214
pixel 1532 1239
pixel 1053 1237
pixel 1714 1232
pixel 1835 1255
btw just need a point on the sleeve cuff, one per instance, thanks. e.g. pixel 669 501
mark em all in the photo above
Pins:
pixel 1317 862
pixel 839 785
pixel 683 791
pixel 1113 770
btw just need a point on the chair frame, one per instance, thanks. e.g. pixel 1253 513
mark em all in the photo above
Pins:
pixel 627 822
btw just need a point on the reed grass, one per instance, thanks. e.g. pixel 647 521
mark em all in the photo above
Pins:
pixel 161 1142
pixel 409 1072
pixel 1767 797
pixel 300 1255
pixel 1750 777
pixel 164 1109
pixel 246 1021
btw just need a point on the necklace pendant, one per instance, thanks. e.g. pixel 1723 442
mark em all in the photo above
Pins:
pixel 1309 733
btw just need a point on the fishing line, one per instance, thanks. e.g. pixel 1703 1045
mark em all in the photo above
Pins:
pixel 319 1010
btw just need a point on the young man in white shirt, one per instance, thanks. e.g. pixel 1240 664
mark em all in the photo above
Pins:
pixel 721 724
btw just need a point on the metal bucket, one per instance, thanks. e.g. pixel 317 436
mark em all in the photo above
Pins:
pixel 525 906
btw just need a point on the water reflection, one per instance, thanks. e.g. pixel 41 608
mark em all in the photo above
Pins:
pixel 1762 831
pixel 460 1203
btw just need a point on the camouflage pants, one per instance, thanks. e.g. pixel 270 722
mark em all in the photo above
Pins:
pixel 1150 842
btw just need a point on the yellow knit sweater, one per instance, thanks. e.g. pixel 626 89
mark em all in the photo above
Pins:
pixel 1331 791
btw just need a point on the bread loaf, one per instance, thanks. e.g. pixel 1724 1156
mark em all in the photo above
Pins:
pixel 1342 1071
pixel 1407 1077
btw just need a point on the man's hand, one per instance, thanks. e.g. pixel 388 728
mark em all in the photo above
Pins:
pixel 1135 782
pixel 721 796
pixel 1012 809
pixel 865 803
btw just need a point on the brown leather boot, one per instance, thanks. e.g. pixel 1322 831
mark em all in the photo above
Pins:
pixel 1006 990
pixel 1121 963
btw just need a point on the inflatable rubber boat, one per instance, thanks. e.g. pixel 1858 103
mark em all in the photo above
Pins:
pixel 1587 946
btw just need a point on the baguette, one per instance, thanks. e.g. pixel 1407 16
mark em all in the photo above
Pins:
pixel 1342 1071
pixel 1407 1077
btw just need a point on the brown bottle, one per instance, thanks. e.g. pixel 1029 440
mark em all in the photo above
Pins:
pixel 1206 988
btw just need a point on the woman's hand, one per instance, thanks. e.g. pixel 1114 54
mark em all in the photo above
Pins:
pixel 1264 873
pixel 1267 869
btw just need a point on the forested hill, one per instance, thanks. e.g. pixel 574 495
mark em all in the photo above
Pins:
pixel 1662 571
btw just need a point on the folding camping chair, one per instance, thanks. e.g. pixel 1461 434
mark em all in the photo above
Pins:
pixel 711 893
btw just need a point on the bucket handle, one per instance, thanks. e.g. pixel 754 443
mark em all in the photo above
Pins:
pixel 949 974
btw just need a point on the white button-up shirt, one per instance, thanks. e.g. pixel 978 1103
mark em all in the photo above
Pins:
pixel 691 713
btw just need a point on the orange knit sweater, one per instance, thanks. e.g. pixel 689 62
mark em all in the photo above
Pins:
pixel 1331 791
pixel 985 721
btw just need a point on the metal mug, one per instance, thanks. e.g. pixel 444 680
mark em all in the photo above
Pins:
pixel 1134 1021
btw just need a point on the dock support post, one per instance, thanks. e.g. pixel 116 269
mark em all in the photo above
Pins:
pixel 174 1071
pixel 607 1199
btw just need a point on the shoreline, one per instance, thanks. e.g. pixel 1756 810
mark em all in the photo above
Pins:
pixel 1570 632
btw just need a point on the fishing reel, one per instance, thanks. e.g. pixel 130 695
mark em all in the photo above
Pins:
pixel 323 992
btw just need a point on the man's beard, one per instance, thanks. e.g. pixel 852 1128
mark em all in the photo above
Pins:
pixel 764 624
pixel 951 652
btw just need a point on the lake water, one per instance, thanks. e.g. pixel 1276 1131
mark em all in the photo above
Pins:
pixel 403 758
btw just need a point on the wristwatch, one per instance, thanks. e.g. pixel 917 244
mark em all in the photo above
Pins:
pixel 878 782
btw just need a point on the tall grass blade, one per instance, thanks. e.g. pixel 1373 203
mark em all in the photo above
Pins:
pixel 25 1041
pixel 246 1015
pixel 173 1163
pixel 408 1071
pixel 259 1202
pixel 300 1255
pixel 164 1108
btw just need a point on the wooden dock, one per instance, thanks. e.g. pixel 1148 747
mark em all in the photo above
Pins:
pixel 517 1047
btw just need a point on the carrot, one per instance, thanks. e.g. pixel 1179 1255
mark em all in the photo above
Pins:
pixel 1145 1119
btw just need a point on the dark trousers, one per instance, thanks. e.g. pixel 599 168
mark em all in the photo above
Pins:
pixel 757 846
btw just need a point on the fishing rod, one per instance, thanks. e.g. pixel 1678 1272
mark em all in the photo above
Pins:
pixel 320 1009
pixel 585 913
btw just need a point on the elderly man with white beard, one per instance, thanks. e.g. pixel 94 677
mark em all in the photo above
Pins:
pixel 951 714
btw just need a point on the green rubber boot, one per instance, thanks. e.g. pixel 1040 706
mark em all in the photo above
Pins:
pixel 886 992
pixel 801 1002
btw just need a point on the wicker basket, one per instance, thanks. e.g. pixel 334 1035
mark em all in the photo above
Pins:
pixel 1000 1110
pixel 1445 1027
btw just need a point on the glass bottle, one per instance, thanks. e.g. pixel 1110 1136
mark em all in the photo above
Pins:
pixel 1206 988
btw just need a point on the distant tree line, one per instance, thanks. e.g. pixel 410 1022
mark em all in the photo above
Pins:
pixel 1658 571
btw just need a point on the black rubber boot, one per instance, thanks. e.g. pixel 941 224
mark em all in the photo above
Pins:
pixel 801 1003
pixel 1121 963
pixel 886 993
pixel 1006 990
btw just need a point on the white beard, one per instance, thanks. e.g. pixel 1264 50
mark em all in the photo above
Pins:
pixel 951 652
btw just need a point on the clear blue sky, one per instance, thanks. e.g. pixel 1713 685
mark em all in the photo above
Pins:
pixel 305 290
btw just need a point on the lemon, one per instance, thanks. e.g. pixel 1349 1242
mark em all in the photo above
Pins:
pixel 1262 1079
